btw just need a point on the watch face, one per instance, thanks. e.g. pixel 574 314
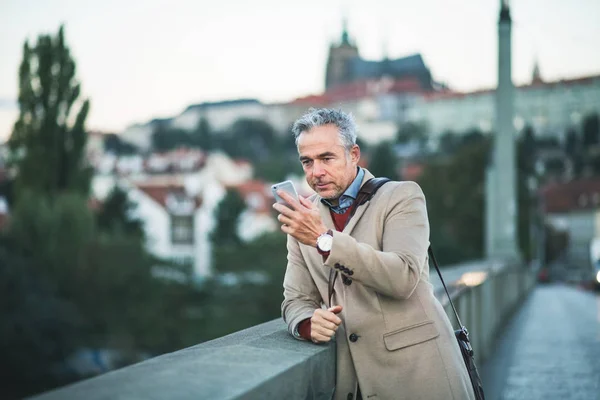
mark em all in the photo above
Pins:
pixel 325 242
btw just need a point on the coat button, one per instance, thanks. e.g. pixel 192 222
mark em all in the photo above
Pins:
pixel 337 265
pixel 350 273
pixel 353 337
pixel 350 396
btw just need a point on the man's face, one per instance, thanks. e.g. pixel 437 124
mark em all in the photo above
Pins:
pixel 329 169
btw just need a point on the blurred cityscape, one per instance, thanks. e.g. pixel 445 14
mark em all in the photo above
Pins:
pixel 120 246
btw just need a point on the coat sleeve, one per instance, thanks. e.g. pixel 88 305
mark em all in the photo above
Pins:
pixel 395 271
pixel 300 294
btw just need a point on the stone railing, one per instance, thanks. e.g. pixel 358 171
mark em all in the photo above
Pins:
pixel 265 362
pixel 485 299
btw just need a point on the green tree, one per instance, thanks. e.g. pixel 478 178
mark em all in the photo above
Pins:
pixel 526 151
pixel 49 137
pixel 202 136
pixel 227 218
pixel 38 329
pixel 449 143
pixel 254 294
pixel 253 139
pixel 454 188
pixel 115 145
pixel 382 161
pixel 591 130
pixel 573 149
pixel 116 215
pixel 411 132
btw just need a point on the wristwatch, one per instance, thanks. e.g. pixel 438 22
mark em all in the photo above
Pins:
pixel 325 242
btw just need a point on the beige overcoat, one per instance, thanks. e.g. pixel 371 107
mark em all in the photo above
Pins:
pixel 395 339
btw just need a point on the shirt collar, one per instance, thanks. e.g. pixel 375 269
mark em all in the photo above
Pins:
pixel 352 190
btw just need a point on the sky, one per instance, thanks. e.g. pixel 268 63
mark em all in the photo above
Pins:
pixel 143 59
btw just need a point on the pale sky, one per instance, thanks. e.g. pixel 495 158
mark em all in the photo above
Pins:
pixel 141 59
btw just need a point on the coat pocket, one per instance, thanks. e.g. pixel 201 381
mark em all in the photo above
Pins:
pixel 410 335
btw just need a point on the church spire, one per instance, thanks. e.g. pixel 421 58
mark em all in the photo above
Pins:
pixel 536 76
pixel 345 35
pixel 504 11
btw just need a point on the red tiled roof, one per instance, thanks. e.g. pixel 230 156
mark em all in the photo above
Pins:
pixel 160 192
pixel 260 190
pixel 360 89
pixel 582 194
pixel 449 94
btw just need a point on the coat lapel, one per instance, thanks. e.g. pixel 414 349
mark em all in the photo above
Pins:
pixel 360 210
pixel 325 214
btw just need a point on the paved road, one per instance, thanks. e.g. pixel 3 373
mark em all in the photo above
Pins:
pixel 549 350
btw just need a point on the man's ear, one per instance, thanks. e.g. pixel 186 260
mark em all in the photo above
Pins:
pixel 355 154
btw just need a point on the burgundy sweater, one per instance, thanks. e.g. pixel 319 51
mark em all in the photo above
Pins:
pixel 339 221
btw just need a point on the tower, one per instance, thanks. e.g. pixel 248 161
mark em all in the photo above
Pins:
pixel 536 76
pixel 501 185
pixel 337 62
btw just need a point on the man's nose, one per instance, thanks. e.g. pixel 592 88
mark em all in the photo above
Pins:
pixel 318 169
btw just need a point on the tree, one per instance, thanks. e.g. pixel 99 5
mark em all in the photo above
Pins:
pixel 255 295
pixel 227 217
pixel 48 140
pixel 115 145
pixel 591 130
pixel 454 188
pixel 383 161
pixel 116 215
pixel 411 132
pixel 449 143
pixel 526 150
pixel 573 150
pixel 38 329
pixel 572 143
pixel 202 136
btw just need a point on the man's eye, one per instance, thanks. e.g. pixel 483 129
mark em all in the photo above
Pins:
pixel 306 162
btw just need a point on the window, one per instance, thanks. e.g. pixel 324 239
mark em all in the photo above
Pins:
pixel 182 229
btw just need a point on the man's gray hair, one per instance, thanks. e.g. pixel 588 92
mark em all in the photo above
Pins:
pixel 324 116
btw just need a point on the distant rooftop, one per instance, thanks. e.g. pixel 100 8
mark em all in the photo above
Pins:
pixel 224 103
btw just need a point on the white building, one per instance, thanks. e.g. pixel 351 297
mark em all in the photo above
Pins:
pixel 550 108
pixel 220 115
pixel 178 209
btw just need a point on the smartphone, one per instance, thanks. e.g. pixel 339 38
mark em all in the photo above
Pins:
pixel 286 186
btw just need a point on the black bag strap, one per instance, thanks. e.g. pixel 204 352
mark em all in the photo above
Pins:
pixel 366 192
pixel 432 257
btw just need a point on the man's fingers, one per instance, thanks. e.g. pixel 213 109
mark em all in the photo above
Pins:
pixel 327 316
pixel 284 220
pixel 325 326
pixel 285 210
pixel 335 309
pixel 322 330
pixel 289 199
pixel 318 338
pixel 306 203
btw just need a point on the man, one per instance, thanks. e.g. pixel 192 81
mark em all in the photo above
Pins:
pixel 394 340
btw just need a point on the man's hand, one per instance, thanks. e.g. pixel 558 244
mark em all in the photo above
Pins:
pixel 300 220
pixel 324 323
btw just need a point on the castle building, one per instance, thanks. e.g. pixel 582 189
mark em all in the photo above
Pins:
pixel 345 66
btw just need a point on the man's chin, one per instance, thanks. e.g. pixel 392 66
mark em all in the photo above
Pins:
pixel 327 194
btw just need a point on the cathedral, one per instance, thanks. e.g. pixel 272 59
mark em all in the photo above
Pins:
pixel 345 66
